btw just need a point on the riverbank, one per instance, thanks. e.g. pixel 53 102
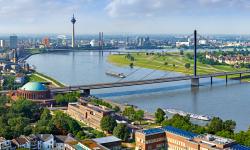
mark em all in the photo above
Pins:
pixel 39 77
pixel 173 62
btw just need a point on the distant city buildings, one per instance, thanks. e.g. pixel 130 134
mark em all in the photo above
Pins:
pixel 46 42
pixel 230 60
pixel 13 42
pixel 2 44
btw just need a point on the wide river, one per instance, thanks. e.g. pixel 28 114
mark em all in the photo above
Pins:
pixel 231 101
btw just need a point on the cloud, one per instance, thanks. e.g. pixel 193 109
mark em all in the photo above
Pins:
pixel 28 10
pixel 144 8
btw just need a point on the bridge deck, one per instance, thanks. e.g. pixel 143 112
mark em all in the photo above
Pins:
pixel 142 82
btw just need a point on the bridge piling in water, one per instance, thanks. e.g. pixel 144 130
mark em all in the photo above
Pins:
pixel 226 79
pixel 195 81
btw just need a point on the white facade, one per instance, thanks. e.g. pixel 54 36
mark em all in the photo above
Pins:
pixel 2 43
pixel 94 43
pixel 178 44
pixel 49 144
pixel 202 42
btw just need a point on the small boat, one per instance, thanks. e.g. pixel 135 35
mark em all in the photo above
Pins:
pixel 191 115
pixel 114 74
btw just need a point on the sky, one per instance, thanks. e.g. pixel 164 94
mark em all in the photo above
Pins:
pixel 125 16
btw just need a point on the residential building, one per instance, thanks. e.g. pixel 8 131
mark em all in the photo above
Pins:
pixel 21 142
pixel 61 141
pixel 176 139
pixel 46 141
pixel 5 144
pixel 88 113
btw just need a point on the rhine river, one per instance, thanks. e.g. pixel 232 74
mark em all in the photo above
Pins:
pixel 231 101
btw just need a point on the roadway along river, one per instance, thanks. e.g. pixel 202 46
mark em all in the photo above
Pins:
pixel 79 68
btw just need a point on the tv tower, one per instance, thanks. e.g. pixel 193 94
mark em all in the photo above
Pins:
pixel 73 21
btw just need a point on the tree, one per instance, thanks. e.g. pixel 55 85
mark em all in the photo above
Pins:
pixel 139 115
pixel 181 52
pixel 229 125
pixel 159 115
pixel 131 65
pixel 27 108
pixel 129 112
pixel 108 124
pixel 60 99
pixel 215 125
pixel 121 131
pixel 187 65
pixel 117 109
pixel 165 63
pixel 9 83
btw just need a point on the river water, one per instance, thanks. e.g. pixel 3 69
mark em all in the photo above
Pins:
pixel 229 101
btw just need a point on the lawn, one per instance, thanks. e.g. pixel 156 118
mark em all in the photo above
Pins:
pixel 35 78
pixel 170 62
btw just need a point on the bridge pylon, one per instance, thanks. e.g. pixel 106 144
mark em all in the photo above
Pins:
pixel 195 79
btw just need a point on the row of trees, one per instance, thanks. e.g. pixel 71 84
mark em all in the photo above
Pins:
pixel 64 99
pixel 216 126
pixel 24 117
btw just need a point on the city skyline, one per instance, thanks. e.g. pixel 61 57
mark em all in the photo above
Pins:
pixel 125 16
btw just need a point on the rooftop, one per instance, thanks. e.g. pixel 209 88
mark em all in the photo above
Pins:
pixel 239 147
pixel 90 144
pixel 108 139
pixel 2 139
pixel 34 86
pixel 152 131
pixel 20 140
pixel 213 139
pixel 99 109
pixel 179 132
pixel 45 137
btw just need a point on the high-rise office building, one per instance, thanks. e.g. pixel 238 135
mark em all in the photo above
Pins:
pixel 13 42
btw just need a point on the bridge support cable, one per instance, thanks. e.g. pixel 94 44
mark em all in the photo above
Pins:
pixel 151 72
pixel 139 68
pixel 191 35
